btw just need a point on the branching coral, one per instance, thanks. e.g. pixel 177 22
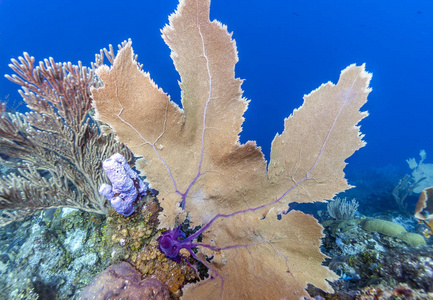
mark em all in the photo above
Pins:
pixel 193 157
pixel 341 209
pixel 56 147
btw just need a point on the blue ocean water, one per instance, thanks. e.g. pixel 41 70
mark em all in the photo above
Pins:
pixel 286 49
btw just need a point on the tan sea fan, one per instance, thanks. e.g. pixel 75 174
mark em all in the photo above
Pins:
pixel 193 157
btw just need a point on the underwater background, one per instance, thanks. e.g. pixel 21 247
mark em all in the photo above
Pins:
pixel 286 49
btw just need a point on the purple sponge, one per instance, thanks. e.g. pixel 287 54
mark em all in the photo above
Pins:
pixel 126 186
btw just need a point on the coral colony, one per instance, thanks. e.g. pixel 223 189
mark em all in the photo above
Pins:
pixel 228 200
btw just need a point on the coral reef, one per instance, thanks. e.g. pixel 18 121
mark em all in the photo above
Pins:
pixel 151 262
pixel 375 265
pixel 53 255
pixel 133 239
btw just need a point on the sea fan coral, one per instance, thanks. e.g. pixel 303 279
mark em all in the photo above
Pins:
pixel 193 157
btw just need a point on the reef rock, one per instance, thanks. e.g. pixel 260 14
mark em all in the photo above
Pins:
pixel 122 281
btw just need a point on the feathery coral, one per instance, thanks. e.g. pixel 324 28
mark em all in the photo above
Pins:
pixel 57 149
